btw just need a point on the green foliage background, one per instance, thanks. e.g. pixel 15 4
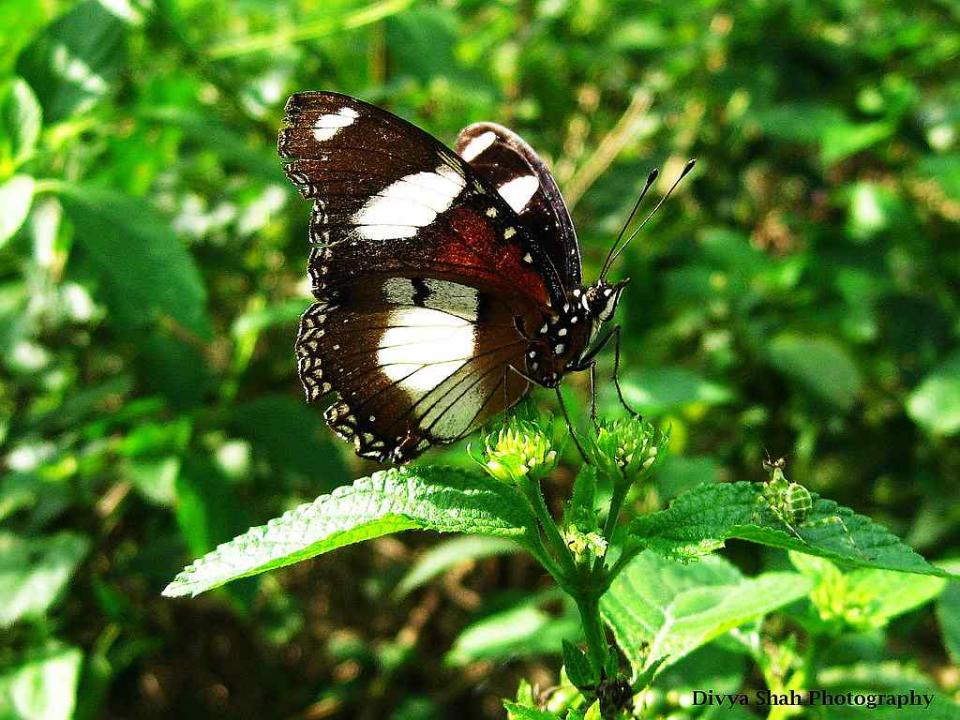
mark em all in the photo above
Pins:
pixel 799 293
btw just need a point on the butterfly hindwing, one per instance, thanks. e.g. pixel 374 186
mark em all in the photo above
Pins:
pixel 509 164
pixel 416 362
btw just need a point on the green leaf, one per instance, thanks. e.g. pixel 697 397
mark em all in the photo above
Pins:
pixel 16 197
pixel 147 272
pixel 819 364
pixel 523 630
pixel 42 686
pixel 518 712
pixel 291 435
pixel 451 553
pixel 945 171
pixel 865 598
pixel 660 608
pixel 580 670
pixel 948 614
pixel 846 139
pixel 74 62
pixel 441 499
pixel 700 521
pixel 20 122
pixel 34 572
pixel 661 390
pixel 935 404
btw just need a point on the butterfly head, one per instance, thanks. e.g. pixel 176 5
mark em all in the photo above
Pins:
pixel 600 300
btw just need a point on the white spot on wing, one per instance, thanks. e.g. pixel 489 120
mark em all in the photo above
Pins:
pixel 517 192
pixel 423 347
pixel 409 203
pixel 326 126
pixel 478 145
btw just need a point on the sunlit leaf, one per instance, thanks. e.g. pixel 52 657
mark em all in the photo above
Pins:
pixel 703 519
pixel 42 686
pixel 16 196
pixel 74 62
pixel 523 630
pixel 20 121
pixel 148 274
pixel 864 598
pixel 660 608
pixel 35 571
pixel 818 364
pixel 448 554
pixel 935 404
pixel 659 390
pixel 441 499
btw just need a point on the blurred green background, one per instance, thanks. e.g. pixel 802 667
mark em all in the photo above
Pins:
pixel 798 293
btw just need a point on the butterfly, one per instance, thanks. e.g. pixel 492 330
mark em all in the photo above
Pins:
pixel 447 283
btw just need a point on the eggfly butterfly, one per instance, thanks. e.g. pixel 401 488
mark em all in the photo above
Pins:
pixel 445 282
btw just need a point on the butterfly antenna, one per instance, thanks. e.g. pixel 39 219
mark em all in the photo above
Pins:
pixel 651 178
pixel 686 170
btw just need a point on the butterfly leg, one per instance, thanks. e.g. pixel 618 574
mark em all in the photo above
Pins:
pixel 570 428
pixel 616 372
pixel 588 362
pixel 593 393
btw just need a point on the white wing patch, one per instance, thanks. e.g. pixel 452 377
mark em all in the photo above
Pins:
pixel 423 347
pixel 409 203
pixel 326 126
pixel 517 192
pixel 478 145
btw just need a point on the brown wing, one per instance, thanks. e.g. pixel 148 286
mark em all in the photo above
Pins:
pixel 507 163
pixel 390 199
pixel 416 361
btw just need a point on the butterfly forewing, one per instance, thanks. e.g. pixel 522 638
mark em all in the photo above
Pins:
pixel 416 361
pixel 388 198
pixel 508 163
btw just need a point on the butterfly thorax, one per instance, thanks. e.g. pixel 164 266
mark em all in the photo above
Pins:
pixel 566 334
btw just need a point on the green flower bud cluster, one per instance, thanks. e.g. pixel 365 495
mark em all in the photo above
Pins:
pixel 627 449
pixel 518 451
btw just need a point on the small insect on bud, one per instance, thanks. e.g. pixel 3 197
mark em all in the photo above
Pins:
pixel 628 448
pixel 517 451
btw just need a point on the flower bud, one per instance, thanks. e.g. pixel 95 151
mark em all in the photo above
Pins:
pixel 627 449
pixel 584 545
pixel 517 451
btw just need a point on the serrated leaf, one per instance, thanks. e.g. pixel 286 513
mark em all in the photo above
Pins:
pixel 702 520
pixel 580 670
pixel 661 608
pixel 450 553
pixel 34 572
pixel 43 685
pixel 935 404
pixel 147 272
pixel 20 121
pixel 74 61
pixel 16 197
pixel 441 499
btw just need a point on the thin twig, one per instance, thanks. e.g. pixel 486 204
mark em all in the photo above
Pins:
pixel 609 148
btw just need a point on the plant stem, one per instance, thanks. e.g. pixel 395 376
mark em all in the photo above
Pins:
pixel 552 534
pixel 593 630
